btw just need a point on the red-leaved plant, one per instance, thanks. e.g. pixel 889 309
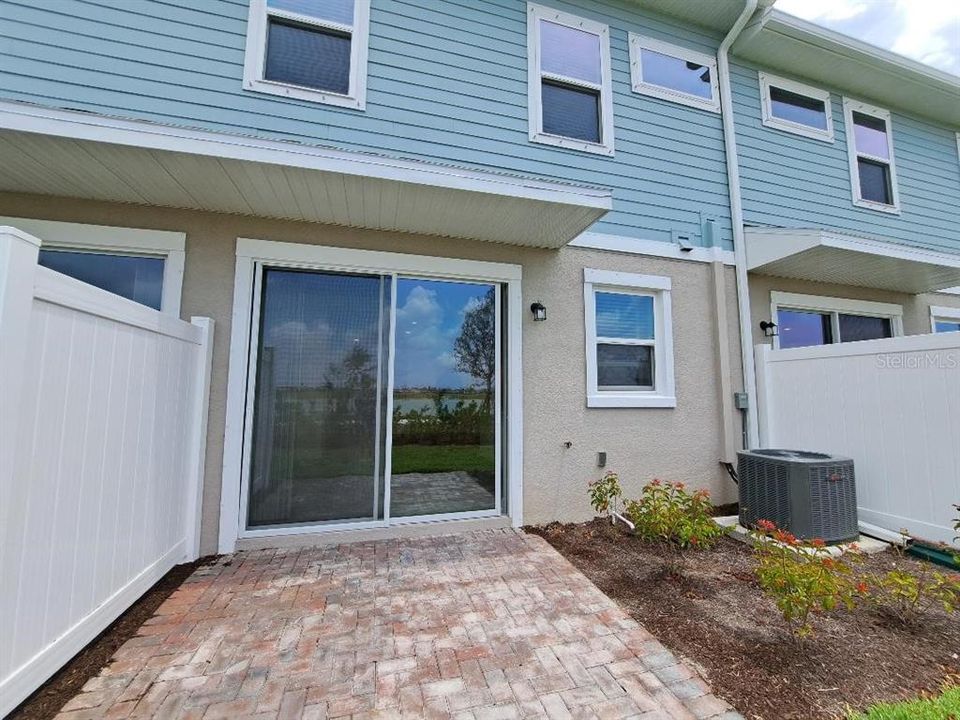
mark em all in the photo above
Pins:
pixel 803 577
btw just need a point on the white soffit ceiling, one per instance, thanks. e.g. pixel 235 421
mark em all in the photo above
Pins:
pixel 822 256
pixel 62 153
pixel 801 49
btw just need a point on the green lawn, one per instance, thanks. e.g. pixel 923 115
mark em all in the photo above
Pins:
pixel 439 458
pixel 945 707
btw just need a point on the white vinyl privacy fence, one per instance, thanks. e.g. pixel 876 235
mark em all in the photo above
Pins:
pixel 103 406
pixel 893 405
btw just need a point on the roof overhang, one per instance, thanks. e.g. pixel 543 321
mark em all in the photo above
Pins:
pixel 802 49
pixel 73 154
pixel 824 256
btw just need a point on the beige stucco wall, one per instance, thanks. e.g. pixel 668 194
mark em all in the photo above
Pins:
pixel 684 443
pixel 916 308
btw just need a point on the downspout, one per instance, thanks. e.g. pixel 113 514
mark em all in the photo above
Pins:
pixel 736 215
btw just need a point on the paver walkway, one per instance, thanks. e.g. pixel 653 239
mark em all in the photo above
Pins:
pixel 491 624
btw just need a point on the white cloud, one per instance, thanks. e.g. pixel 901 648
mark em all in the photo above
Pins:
pixel 424 348
pixel 925 30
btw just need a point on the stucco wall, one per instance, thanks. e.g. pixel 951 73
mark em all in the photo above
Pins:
pixel 684 443
pixel 916 308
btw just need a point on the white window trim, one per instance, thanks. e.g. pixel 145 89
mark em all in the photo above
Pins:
pixel 250 253
pixel 835 306
pixel 80 237
pixel 939 313
pixel 849 107
pixel 663 394
pixel 772 121
pixel 536 13
pixel 641 42
pixel 256 49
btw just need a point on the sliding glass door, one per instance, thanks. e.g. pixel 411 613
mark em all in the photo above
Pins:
pixel 317 444
pixel 372 398
pixel 445 399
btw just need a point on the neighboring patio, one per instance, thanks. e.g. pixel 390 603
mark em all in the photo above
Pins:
pixel 492 624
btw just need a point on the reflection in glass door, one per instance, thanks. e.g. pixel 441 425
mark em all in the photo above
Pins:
pixel 446 399
pixel 319 403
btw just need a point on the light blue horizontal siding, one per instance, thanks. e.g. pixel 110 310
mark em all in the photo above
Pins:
pixel 797 182
pixel 447 82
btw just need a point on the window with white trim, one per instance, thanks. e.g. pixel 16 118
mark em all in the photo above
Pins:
pixel 873 173
pixel 629 339
pixel 796 108
pixel 808 320
pixel 145 266
pixel 671 72
pixel 570 97
pixel 309 50
pixel 944 319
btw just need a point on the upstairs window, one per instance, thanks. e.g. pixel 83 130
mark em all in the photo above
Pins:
pixel 799 109
pixel 674 73
pixel 570 99
pixel 309 49
pixel 870 149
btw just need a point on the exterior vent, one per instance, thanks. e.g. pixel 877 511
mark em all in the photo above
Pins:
pixel 812 495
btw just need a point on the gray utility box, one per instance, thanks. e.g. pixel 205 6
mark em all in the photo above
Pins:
pixel 813 495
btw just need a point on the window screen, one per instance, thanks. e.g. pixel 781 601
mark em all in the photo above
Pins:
pixel 308 56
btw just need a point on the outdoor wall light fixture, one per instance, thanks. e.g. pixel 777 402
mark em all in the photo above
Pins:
pixel 769 328
pixel 539 312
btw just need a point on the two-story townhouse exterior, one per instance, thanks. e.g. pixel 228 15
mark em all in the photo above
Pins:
pixel 464 255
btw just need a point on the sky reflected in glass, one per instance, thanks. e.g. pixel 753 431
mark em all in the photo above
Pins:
pixel 799 328
pixel 676 74
pixel 798 108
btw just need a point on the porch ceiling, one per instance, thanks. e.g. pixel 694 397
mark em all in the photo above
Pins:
pixel 823 256
pixel 70 154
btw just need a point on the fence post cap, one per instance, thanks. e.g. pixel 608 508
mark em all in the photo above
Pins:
pixel 19 234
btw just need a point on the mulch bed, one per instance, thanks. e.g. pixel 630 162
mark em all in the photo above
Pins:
pixel 717 618
pixel 46 702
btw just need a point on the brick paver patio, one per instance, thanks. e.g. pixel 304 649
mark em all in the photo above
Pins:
pixel 483 625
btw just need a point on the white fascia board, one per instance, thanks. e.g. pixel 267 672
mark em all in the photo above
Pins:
pixel 74 125
pixel 836 42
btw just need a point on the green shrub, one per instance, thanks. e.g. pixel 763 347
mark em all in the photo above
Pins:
pixel 668 515
pixel 906 593
pixel 944 707
pixel 803 578
pixel 605 493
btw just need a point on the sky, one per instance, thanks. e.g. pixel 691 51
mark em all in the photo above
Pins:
pixel 923 30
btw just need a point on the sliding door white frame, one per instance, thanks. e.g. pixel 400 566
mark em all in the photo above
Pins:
pixel 252 254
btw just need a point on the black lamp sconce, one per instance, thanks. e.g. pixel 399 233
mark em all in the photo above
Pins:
pixel 539 312
pixel 769 328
